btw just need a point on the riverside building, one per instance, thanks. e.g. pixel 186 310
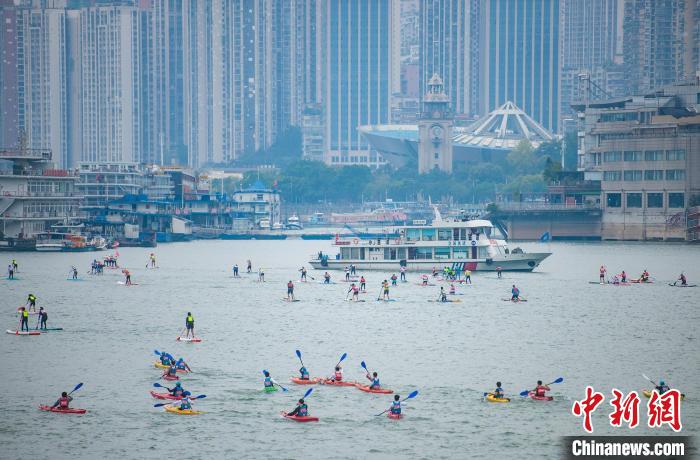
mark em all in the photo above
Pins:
pixel 645 150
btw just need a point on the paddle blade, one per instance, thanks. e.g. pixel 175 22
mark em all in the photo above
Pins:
pixel 199 397
pixel 158 385
pixel 342 358
pixel 524 393
pixel 415 393
pixel 160 404
pixel 77 387
pixel 308 392
pixel 485 395
pixel 156 352
pixel 283 388
pixel 559 380
pixel 298 354
pixel 364 366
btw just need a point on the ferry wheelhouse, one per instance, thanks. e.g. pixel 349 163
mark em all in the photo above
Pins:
pixel 474 245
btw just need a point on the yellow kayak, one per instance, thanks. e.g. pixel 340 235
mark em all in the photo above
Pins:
pixel 647 393
pixel 163 366
pixel 492 398
pixel 176 410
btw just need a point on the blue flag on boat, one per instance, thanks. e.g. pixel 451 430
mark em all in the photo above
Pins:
pixel 545 237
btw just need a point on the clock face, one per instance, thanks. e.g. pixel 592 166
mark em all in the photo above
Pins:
pixel 437 131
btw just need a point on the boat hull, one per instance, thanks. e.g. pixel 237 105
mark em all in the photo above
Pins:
pixel 513 262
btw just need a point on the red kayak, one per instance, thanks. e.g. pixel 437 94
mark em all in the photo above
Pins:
pixel 367 389
pixel 338 383
pixel 62 411
pixel 165 396
pixel 297 418
pixel 394 416
pixel 540 398
pixel 299 381
pixel 170 377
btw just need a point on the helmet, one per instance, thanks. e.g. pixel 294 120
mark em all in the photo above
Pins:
pixel 661 382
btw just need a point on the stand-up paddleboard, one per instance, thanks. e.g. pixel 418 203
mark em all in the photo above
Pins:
pixel 23 332
pixel 292 300
pixel 189 339
pixel 514 301
pixel 123 283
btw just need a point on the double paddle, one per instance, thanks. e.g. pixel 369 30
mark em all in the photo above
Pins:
pixel 524 393
pixel 412 395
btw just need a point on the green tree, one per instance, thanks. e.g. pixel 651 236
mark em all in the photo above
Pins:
pixel 522 158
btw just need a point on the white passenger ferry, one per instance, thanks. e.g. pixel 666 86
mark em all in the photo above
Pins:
pixel 474 245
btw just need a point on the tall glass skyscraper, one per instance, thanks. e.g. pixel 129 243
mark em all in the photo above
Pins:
pixel 358 76
pixel 520 50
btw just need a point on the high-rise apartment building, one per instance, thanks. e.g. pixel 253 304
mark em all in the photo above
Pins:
pixel 357 78
pixel 9 123
pixel 590 35
pixel 42 80
pixel 449 31
pixel 110 77
pixel 661 41
pixel 520 58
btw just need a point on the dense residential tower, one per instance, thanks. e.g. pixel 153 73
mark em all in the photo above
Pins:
pixel 520 58
pixel 449 31
pixel 357 77
pixel 9 123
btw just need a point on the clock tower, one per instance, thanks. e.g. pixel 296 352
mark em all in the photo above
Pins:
pixel 435 129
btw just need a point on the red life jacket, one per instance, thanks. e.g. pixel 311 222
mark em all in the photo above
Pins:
pixel 338 376
pixel 63 402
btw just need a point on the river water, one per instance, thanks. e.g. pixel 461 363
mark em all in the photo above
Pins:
pixel 604 336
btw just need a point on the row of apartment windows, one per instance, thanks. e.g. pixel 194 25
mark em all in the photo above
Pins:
pixel 653 200
pixel 647 155
pixel 647 175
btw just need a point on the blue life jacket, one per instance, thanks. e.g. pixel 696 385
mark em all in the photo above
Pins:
pixel 268 382
pixel 375 384
pixel 662 389
pixel 304 373
pixel 499 392
pixel 303 411
pixel 396 407
pixel 185 404
pixel 164 360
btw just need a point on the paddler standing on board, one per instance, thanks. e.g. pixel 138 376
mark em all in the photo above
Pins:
pixel 153 260
pixel 249 267
pixel 385 289
pixel 189 324
pixel 602 274
pixel 683 280
pixel 515 294
pixel 303 274
pixel 24 319
pixel 127 274
pixel 355 292
pixel 403 274
pixel 290 291
pixel 31 302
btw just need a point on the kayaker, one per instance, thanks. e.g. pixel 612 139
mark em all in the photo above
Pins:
pixel 498 392
pixel 177 390
pixel 31 301
pixel 326 278
pixel 63 403
pixel 499 271
pixel 189 324
pixel 683 280
pixel 515 294
pixel 269 382
pixel 363 285
pixel 468 277
pixel 443 295
pixel 303 273
pixel 403 274
pixel 453 289
pixel 662 387
pixel 375 385
pixel 385 287
pixel 185 403
pixel 43 317
pixel 235 270
pixel 645 276
pixel 172 371
pixel 394 278
pixel 75 272
pixel 396 405
pixel 540 390
pixel 424 280
pixel 164 359
pixel 304 373
pixel 623 277
pixel 290 290
pixel 602 273
pixel 153 260
pixel 337 375
pixel 182 365
pixel 249 266
pixel 302 410
pixel 24 319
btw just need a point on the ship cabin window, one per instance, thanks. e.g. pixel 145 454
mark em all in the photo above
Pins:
pixel 484 252
pixel 459 234
pixel 442 253
pixel 420 253
pixel 413 234
pixel 444 234
pixel 352 253
pixel 402 253
pixel 428 234
pixel 391 254
pixel 459 252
